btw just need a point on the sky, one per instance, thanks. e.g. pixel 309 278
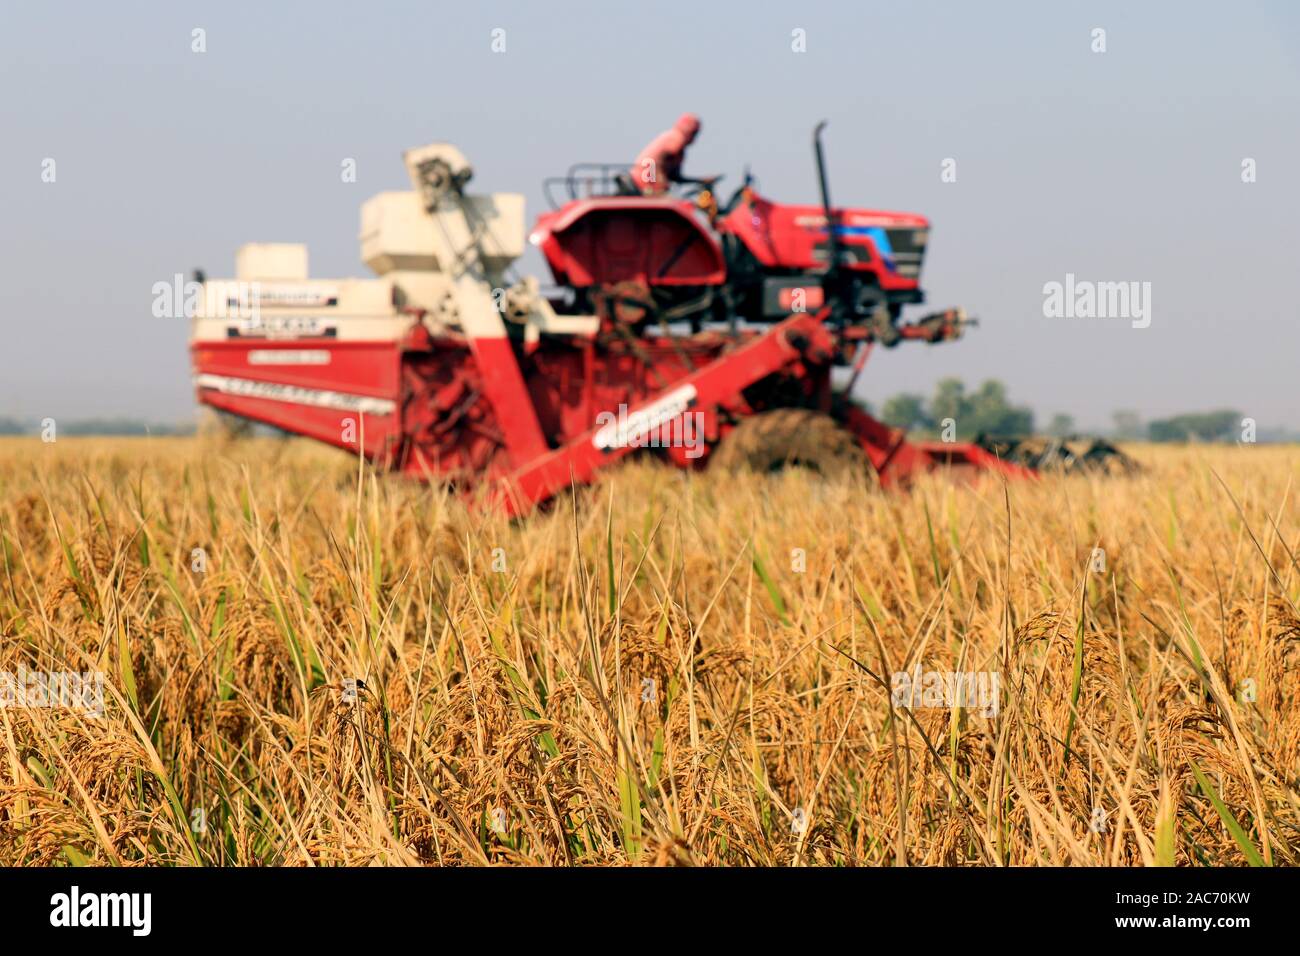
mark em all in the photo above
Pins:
pixel 1123 165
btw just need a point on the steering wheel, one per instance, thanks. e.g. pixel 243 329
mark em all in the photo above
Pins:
pixel 735 197
pixel 694 187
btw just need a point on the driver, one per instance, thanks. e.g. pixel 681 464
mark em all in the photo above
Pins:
pixel 659 165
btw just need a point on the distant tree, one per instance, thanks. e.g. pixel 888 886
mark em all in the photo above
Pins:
pixel 984 411
pixel 1128 426
pixel 1061 425
pixel 1166 430
pixel 1217 425
pixel 989 413
pixel 103 426
pixel 907 411
pixel 120 427
pixel 950 401
pixel 11 426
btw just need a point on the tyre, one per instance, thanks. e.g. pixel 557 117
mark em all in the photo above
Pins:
pixel 787 437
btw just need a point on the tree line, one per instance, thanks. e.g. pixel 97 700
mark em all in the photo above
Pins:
pixel 987 410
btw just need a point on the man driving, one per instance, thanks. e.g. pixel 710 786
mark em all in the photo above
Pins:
pixel 659 165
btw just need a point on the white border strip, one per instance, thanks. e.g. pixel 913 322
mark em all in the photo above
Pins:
pixel 296 395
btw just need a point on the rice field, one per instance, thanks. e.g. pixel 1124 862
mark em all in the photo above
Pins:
pixel 306 663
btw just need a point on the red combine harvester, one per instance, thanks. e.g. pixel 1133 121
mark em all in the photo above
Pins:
pixel 707 332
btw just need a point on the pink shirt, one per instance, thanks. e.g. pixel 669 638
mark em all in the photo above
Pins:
pixel 660 163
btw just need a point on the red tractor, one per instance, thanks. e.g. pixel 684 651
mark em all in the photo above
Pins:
pixel 750 260
pixel 705 332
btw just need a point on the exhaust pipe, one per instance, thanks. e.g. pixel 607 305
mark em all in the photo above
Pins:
pixel 833 265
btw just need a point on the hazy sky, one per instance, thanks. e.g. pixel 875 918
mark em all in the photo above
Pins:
pixel 1117 166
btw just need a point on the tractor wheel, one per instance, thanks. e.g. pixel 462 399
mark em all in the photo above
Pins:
pixel 784 437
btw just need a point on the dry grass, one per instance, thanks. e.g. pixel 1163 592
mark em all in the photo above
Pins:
pixel 712 706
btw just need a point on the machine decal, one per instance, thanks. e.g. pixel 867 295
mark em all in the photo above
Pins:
pixel 282 327
pixel 291 297
pixel 289 357
pixel 295 394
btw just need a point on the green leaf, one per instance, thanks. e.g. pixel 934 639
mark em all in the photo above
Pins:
pixel 125 670
pixel 1165 820
pixel 609 564
pixel 37 770
pixel 768 583
pixel 1229 821
pixel 629 797
pixel 75 857
pixel 1077 686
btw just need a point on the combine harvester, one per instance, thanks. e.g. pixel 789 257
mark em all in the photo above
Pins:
pixel 707 332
